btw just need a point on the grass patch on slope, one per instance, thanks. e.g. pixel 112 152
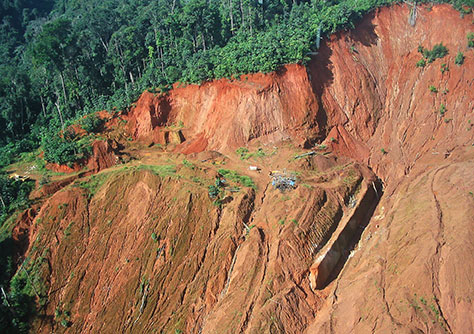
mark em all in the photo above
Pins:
pixel 243 180
pixel 93 184
pixel 160 170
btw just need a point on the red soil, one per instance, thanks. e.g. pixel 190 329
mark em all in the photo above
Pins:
pixel 223 114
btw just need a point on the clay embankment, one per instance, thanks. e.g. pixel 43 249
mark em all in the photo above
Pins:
pixel 148 253
pixel 332 257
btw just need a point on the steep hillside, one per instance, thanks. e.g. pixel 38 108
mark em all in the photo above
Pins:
pixel 411 273
pixel 143 248
pixel 375 238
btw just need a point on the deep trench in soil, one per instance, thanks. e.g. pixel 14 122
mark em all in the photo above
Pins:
pixel 352 232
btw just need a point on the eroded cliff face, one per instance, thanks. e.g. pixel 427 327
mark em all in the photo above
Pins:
pixel 408 273
pixel 141 248
pixel 223 114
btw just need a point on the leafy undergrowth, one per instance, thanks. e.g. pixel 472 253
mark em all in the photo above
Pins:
pixel 233 176
pixel 438 51
pixel 13 196
pixel 18 303
pixel 66 149
pixel 245 154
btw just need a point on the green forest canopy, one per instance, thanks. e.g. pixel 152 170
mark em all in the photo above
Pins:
pixel 61 59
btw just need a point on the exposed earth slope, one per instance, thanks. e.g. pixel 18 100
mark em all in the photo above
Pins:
pixel 375 238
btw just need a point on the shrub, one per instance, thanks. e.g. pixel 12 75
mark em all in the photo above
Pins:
pixel 260 152
pixel 433 89
pixel 421 63
pixel 459 60
pixel 438 51
pixel 444 68
pixel 10 152
pixel 45 179
pixel 65 150
pixel 92 123
pixel 243 153
pixel 14 195
pixel 213 191
pixel 442 109
pixel 188 164
pixel 243 180
pixel 22 302
pixel 470 40
pixel 66 323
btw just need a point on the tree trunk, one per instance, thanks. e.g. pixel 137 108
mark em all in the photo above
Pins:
pixel 106 47
pixel 125 81
pixel 203 41
pixel 5 297
pixel 231 17
pixel 64 87
pixel 60 114
pixel 42 106
pixel 242 13
pixel 3 203
pixel 31 283
pixel 122 66
pixel 172 7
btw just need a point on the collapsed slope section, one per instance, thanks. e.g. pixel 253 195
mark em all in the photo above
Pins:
pixel 413 125
pixel 224 114
pixel 143 249
pixel 363 88
pixel 368 82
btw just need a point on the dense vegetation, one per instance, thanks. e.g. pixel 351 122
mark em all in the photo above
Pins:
pixel 16 309
pixel 13 195
pixel 19 306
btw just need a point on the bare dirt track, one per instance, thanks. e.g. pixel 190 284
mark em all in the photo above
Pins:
pixel 376 238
